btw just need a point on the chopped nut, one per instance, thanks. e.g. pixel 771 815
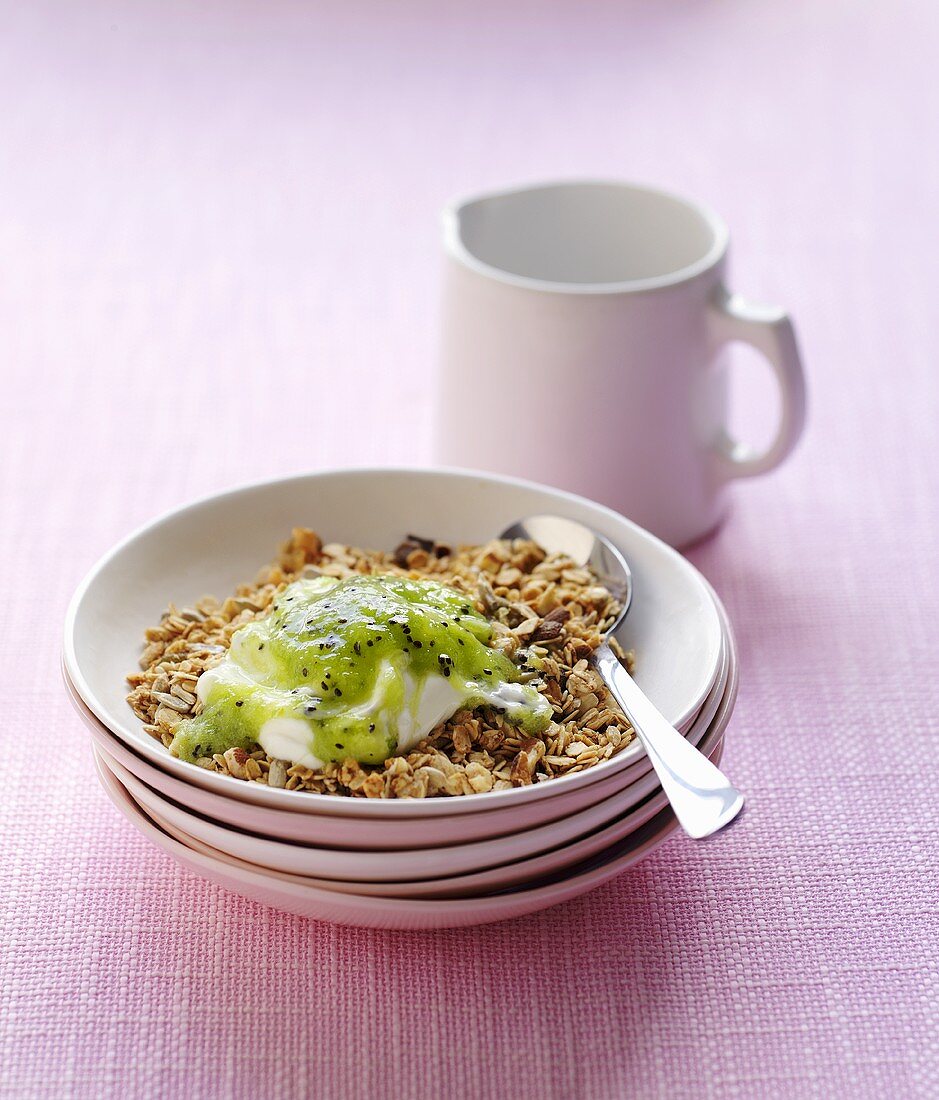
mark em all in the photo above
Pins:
pixel 575 748
pixel 277 774
pixel 418 559
pixel 548 630
pixel 558 615
pixel 434 778
pixel 444 765
pixel 479 777
pixel 490 740
pixel 167 717
pixel 172 701
pixel 588 703
pixel 397 765
pixel 462 742
pixel 523 766
pixel 374 785
pixel 526 628
pixel 547 601
pixel 458 784
pixel 236 761
pixel 184 696
pixel 409 786
pixel 411 545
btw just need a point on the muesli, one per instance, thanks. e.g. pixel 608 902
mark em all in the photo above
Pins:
pixel 335 651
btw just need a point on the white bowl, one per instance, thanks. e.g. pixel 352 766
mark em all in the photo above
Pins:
pixel 505 876
pixel 405 865
pixel 353 833
pixel 295 896
pixel 216 543
pixel 474 884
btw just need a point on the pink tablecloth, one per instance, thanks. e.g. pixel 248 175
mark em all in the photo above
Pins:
pixel 218 261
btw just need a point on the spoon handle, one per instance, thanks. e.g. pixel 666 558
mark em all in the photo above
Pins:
pixel 702 797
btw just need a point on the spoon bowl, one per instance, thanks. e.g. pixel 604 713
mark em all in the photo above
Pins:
pixel 703 799
pixel 586 547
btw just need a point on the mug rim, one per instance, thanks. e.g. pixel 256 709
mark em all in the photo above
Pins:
pixel 456 249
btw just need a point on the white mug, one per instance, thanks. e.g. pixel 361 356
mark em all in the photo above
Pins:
pixel 582 324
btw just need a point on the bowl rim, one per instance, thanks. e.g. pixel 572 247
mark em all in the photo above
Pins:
pixel 646 809
pixel 431 889
pixel 307 808
pixel 705 732
pixel 593 871
pixel 375 807
pixel 506 816
pixel 410 863
pixel 367 910
pixel 481 910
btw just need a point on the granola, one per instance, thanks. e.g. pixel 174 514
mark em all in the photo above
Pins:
pixel 548 614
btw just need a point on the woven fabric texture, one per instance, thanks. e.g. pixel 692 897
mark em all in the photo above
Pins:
pixel 219 262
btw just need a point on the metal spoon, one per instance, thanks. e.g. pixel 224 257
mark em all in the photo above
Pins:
pixel 702 797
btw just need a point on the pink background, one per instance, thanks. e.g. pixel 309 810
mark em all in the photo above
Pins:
pixel 219 261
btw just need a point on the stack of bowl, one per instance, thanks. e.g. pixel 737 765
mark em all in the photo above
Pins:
pixel 430 863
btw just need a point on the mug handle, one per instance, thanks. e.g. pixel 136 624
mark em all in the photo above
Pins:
pixel 768 330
